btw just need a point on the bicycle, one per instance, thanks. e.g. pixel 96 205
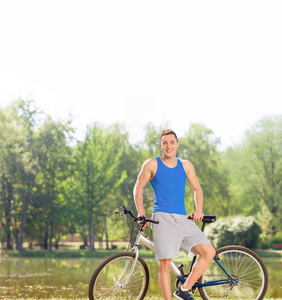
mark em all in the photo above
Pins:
pixel 236 272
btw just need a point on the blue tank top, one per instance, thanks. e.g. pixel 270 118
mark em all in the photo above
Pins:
pixel 169 188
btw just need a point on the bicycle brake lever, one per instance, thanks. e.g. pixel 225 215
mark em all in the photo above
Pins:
pixel 122 214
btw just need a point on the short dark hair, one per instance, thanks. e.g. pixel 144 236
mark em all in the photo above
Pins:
pixel 167 132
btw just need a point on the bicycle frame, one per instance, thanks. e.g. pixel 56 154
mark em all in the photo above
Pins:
pixel 126 275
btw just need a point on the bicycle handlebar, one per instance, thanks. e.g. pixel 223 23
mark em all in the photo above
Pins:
pixel 142 220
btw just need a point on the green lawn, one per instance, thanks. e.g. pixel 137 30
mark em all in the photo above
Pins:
pixel 147 298
pixel 146 254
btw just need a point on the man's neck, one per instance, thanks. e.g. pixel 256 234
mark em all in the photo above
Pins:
pixel 170 161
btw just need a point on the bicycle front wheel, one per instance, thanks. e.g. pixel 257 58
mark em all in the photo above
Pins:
pixel 117 278
pixel 243 265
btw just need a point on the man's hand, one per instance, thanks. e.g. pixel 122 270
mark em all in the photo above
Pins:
pixel 197 216
pixel 148 223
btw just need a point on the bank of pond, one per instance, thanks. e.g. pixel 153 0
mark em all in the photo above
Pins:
pixel 53 277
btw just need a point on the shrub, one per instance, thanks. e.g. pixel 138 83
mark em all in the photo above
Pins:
pixel 238 230
pixel 264 244
pixel 276 239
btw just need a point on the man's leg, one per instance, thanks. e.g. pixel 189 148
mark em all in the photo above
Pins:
pixel 164 278
pixel 206 254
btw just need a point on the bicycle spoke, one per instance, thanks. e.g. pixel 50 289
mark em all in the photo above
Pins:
pixel 249 281
pixel 120 277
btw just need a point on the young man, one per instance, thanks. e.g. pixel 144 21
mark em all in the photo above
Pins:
pixel 175 231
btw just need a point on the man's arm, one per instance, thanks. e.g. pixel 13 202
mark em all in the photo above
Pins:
pixel 198 194
pixel 146 173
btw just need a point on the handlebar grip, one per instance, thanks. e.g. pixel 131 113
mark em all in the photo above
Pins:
pixel 153 221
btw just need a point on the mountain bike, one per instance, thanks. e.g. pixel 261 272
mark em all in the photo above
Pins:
pixel 236 272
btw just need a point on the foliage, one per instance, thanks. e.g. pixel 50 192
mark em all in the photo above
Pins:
pixel 51 185
pixel 276 239
pixel 238 230
pixel 98 176
pixel 255 169
pixel 34 158
pixel 200 146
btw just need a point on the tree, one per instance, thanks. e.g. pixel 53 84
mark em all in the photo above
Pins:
pixel 19 165
pixel 200 146
pixel 33 158
pixel 255 169
pixel 55 158
pixel 98 175
pixel 8 156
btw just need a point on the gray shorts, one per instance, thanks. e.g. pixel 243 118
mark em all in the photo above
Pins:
pixel 175 232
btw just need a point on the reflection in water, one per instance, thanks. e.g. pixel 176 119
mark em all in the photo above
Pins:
pixel 43 278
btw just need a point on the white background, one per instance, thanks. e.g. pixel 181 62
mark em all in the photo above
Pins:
pixel 178 62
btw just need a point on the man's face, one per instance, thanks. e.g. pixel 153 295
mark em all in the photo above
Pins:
pixel 169 145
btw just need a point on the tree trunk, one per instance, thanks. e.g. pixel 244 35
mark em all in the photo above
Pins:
pixel 9 244
pixel 90 230
pixel 46 240
pixel 51 235
pixel 106 233
pixel 16 236
pixel 8 215
pixel 85 241
pixel 57 240
pixel 24 212
pixel 90 227
pixel 52 214
pixel 30 245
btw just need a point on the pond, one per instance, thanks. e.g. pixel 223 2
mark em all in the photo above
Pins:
pixel 69 278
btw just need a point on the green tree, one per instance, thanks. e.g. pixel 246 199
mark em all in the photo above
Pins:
pixel 8 155
pixel 55 158
pixel 255 169
pixel 200 146
pixel 19 165
pixel 98 175
pixel 33 160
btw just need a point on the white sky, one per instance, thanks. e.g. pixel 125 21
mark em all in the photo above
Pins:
pixel 177 62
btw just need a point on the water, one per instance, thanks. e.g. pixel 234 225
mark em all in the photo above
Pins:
pixel 69 278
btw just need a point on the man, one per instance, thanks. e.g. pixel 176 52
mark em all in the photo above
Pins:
pixel 175 231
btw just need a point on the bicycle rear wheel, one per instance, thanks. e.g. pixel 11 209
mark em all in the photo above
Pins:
pixel 111 279
pixel 242 264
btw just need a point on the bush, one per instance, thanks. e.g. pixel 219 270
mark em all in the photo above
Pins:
pixel 238 230
pixel 264 244
pixel 276 239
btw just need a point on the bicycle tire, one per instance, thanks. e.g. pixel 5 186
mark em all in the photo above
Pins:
pixel 107 280
pixel 241 263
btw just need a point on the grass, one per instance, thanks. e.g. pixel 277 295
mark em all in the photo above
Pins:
pixel 146 254
pixel 146 298
pixel 70 253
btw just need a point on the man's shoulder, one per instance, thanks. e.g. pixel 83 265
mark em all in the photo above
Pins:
pixel 186 162
pixel 187 165
pixel 150 164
